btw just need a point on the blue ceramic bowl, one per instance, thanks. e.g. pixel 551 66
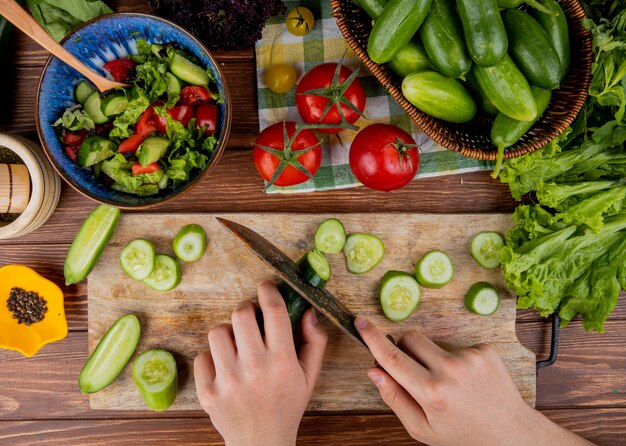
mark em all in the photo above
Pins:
pixel 95 43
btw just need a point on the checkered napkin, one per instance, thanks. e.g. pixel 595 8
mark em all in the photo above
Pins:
pixel 325 44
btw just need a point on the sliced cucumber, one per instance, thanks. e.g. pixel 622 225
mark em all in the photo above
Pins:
pixel 92 107
pixel 90 241
pixel 152 149
pixel 190 243
pixel 315 269
pixel 138 259
pixel 363 252
pixel 156 377
pixel 330 236
pixel 188 71
pixel 111 355
pixel 399 295
pixel 82 91
pixel 485 249
pixel 434 269
pixel 482 299
pixel 114 103
pixel 94 150
pixel 166 274
pixel 174 85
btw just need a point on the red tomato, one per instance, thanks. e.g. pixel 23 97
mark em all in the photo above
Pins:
pixel 130 144
pixel 384 157
pixel 145 126
pixel 273 136
pixel 120 69
pixel 190 95
pixel 74 138
pixel 72 152
pixel 182 114
pixel 138 169
pixel 161 123
pixel 206 117
pixel 311 107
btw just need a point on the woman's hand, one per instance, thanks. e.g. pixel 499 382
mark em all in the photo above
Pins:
pixel 461 396
pixel 255 389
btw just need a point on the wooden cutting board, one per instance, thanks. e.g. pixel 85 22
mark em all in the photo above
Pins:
pixel 228 273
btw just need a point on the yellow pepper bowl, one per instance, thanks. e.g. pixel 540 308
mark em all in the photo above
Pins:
pixel 28 340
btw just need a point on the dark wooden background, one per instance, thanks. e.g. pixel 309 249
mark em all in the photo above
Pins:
pixel 39 398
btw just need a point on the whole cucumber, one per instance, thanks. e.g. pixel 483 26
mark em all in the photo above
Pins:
pixel 443 40
pixel 373 8
pixel 556 28
pixel 507 131
pixel 507 88
pixel 439 96
pixel 531 49
pixel 484 31
pixel 395 27
pixel 478 93
pixel 411 58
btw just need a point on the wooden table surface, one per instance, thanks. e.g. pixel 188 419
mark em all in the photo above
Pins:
pixel 39 398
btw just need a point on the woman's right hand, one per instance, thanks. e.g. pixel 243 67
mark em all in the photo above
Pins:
pixel 456 396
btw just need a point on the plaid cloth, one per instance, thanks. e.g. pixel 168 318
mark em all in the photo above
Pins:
pixel 326 44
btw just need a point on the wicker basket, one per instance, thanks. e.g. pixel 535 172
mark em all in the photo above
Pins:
pixel 472 139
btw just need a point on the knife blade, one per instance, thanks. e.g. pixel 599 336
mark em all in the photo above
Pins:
pixel 322 300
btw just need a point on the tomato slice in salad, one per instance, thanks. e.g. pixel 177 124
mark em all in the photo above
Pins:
pixel 72 152
pixel 206 117
pixel 131 144
pixel 145 126
pixel 182 114
pixel 120 69
pixel 190 95
pixel 138 169
pixel 74 138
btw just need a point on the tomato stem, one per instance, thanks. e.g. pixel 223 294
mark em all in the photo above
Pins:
pixel 403 151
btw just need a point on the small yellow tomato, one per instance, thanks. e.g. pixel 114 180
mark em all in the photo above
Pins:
pixel 300 21
pixel 280 78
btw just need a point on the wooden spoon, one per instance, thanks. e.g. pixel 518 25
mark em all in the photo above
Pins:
pixel 11 11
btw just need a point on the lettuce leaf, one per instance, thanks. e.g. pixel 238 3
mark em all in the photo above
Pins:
pixel 74 119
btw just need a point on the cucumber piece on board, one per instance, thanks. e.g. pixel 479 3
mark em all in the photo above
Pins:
pixel 156 377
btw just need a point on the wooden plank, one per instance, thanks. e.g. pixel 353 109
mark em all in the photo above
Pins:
pixel 589 373
pixel 177 321
pixel 18 115
pixel 605 427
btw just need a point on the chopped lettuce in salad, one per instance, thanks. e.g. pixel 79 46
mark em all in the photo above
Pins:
pixel 151 136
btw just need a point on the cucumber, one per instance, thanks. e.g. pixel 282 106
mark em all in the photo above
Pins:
pixel 90 241
pixel 152 149
pixel 434 269
pixel 111 355
pixel 479 95
pixel 330 236
pixel 156 377
pixel 314 268
pixel 373 8
pixel 94 150
pixel 484 31
pixel 410 59
pixel 556 27
pixel 296 304
pixel 138 259
pixel 507 88
pixel 82 91
pixel 92 107
pixel 190 243
pixel 174 86
pixel 399 295
pixel 531 49
pixel 485 249
pixel 443 40
pixel 508 4
pixel 166 274
pixel 482 299
pixel 439 96
pixel 114 103
pixel 395 27
pixel 363 252
pixel 188 71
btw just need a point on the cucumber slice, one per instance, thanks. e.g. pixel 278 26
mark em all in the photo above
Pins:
pixel 152 149
pixel 330 236
pixel 399 295
pixel 111 355
pixel 114 103
pixel 156 378
pixel 482 299
pixel 363 252
pixel 485 249
pixel 188 71
pixel 91 239
pixel 190 243
pixel 92 107
pixel 166 274
pixel 174 85
pixel 94 150
pixel 434 269
pixel 82 91
pixel 138 259
pixel 315 269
